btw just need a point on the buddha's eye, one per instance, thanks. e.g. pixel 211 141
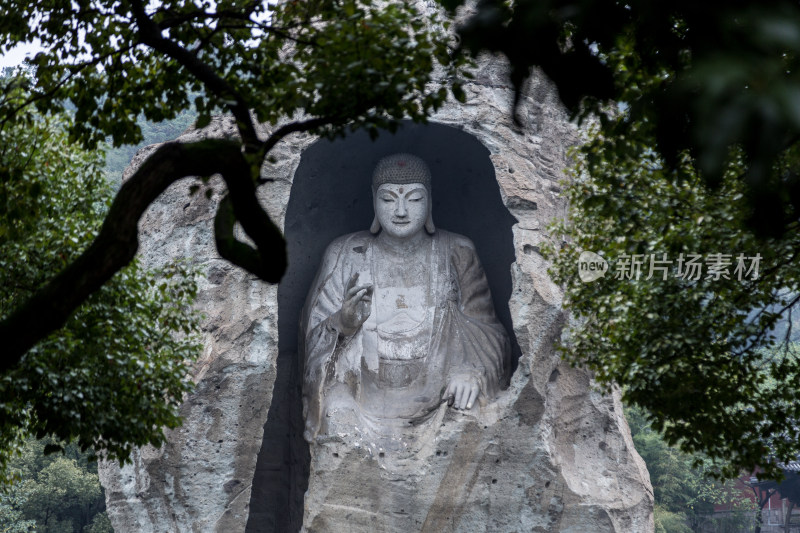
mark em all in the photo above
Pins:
pixel 415 199
pixel 387 199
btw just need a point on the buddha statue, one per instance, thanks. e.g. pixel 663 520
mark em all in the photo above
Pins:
pixel 399 323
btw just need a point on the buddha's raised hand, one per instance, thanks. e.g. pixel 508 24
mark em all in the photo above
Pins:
pixel 356 306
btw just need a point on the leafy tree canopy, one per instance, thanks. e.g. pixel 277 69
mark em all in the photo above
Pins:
pixel 114 375
pixel 694 152
pixel 694 345
pixel 317 66
pixel 59 493
pixel 704 76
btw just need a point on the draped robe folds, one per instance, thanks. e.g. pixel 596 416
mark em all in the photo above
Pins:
pixel 379 378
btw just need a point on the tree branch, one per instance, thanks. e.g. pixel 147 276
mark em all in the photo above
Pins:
pixel 172 20
pixel 117 242
pixel 294 127
pixel 239 253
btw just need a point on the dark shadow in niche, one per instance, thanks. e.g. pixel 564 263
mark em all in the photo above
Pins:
pixel 331 196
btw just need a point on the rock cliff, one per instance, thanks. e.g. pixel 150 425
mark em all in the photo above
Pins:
pixel 552 454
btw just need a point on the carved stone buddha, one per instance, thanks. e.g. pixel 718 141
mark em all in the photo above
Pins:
pixel 399 319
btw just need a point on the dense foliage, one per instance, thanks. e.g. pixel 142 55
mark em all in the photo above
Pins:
pixel 114 375
pixel 706 76
pixel 692 163
pixel 59 493
pixel 683 317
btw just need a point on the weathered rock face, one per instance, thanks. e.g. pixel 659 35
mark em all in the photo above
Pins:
pixel 549 455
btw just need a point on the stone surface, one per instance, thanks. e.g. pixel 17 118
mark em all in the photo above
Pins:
pixel 551 454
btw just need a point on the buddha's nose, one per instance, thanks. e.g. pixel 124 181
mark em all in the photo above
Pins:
pixel 401 209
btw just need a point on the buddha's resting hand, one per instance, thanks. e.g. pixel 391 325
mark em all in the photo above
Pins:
pixel 356 307
pixel 462 391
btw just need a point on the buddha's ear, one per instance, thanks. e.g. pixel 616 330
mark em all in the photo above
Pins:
pixel 429 227
pixel 376 226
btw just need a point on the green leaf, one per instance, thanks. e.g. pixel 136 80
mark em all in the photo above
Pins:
pixel 458 92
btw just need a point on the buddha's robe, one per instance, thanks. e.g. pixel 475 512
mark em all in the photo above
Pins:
pixel 394 369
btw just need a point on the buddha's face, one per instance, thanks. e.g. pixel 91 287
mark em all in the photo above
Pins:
pixel 402 209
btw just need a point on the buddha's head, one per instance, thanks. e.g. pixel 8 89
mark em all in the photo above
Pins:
pixel 401 195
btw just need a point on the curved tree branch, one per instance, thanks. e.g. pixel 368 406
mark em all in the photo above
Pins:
pixel 242 254
pixel 294 127
pixel 117 242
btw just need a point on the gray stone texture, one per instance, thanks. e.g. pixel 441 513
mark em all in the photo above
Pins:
pixel 551 454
